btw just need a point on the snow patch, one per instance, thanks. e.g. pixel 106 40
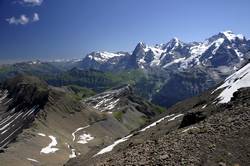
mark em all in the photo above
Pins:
pixel 73 154
pixel 204 106
pixel 41 134
pixel 50 148
pixel 81 128
pixel 239 79
pixel 177 116
pixel 217 44
pixel 84 138
pixel 239 54
pixel 174 62
pixel 231 36
pixel 190 128
pixel 110 147
pixel 154 124
pixel 33 160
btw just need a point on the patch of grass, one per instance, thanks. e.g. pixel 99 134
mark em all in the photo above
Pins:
pixel 159 109
pixel 80 92
pixel 118 115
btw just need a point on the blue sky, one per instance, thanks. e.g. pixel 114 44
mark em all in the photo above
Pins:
pixel 73 28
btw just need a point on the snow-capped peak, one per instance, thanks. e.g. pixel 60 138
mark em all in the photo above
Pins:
pixel 35 62
pixel 104 56
pixel 173 44
pixel 142 45
pixel 231 36
pixel 176 39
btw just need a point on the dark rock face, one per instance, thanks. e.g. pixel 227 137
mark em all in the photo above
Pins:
pixel 22 97
pixel 27 91
pixel 183 85
pixel 192 118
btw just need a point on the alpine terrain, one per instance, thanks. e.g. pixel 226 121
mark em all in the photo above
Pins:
pixel 210 129
pixel 178 103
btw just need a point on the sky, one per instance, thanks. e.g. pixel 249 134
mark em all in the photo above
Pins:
pixel 66 29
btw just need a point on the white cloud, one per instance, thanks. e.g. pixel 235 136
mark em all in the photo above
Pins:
pixel 32 2
pixel 35 17
pixel 23 19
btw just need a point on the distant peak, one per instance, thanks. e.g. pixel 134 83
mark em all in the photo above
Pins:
pixel 141 45
pixel 232 36
pixel 173 44
pixel 228 32
pixel 176 39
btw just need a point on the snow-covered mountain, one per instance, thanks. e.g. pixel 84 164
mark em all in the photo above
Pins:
pixel 105 60
pixel 187 68
pixel 224 49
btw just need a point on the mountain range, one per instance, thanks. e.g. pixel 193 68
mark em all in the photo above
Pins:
pixel 153 71
pixel 187 69
pixel 170 104
pixel 224 49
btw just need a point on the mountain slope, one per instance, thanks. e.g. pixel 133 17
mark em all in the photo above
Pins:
pixel 45 125
pixel 198 131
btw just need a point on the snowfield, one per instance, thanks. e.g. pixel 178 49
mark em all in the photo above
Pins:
pixel 239 79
